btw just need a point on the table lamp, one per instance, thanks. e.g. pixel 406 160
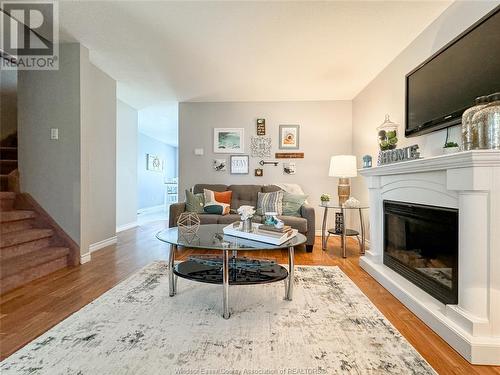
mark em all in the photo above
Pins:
pixel 344 167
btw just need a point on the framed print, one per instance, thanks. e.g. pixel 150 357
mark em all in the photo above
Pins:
pixel 219 165
pixel 260 147
pixel 239 164
pixel 229 140
pixel 289 168
pixel 259 172
pixel 289 137
pixel 154 164
pixel 261 126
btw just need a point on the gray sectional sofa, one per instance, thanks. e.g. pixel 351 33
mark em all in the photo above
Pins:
pixel 247 195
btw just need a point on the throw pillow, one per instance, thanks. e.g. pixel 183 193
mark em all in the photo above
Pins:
pixel 270 202
pixel 292 203
pixel 195 202
pixel 212 206
pixel 223 196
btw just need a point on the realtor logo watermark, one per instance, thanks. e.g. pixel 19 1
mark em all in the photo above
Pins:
pixel 30 35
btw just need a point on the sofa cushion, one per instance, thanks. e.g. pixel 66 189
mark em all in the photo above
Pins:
pixel 228 219
pixel 208 218
pixel 270 188
pixel 194 202
pixel 198 188
pixel 270 202
pixel 292 204
pixel 298 223
pixel 244 195
pixel 223 196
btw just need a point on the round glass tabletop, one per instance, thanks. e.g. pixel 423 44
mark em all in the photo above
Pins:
pixel 332 205
pixel 212 237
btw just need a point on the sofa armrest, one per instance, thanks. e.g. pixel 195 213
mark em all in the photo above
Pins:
pixel 307 212
pixel 174 212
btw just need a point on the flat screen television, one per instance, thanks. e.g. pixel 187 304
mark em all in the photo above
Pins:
pixel 440 89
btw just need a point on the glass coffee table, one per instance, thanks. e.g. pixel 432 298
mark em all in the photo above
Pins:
pixel 226 268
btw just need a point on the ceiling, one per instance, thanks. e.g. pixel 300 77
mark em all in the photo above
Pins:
pixel 243 51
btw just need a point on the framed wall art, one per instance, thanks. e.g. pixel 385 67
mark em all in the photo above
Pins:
pixel 219 165
pixel 259 172
pixel 289 168
pixel 229 140
pixel 289 137
pixel 239 164
pixel 261 126
pixel 154 163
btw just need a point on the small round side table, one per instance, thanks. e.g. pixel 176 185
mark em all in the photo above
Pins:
pixel 325 233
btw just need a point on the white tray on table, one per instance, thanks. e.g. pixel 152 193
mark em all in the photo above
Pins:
pixel 231 230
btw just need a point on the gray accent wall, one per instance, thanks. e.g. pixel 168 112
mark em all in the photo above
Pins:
pixel 50 169
pixel 126 164
pixel 325 130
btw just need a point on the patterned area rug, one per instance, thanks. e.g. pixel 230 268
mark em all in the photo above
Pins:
pixel 136 328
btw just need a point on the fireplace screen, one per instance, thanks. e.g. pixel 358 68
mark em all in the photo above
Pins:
pixel 421 244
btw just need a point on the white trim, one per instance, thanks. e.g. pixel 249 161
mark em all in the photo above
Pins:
pixel 123 227
pixel 101 244
pixel 84 258
pixel 146 210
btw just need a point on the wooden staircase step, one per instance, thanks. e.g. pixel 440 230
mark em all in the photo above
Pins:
pixel 14 226
pixel 27 267
pixel 4 182
pixel 24 236
pixel 24 248
pixel 8 153
pixel 16 215
pixel 7 166
pixel 7 200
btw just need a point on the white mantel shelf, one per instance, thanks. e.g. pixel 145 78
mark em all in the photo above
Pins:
pixel 470 182
pixel 465 159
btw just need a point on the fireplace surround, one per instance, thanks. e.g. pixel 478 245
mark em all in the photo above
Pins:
pixel 467 183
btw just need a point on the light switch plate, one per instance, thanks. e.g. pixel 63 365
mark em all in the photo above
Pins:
pixel 54 133
pixel 199 151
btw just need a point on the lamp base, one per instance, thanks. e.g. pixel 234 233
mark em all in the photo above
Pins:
pixel 344 190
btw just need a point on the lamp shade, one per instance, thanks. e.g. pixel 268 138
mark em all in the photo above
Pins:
pixel 343 166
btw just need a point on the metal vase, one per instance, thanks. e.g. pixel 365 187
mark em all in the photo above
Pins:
pixel 246 225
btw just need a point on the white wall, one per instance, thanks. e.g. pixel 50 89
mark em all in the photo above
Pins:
pixel 325 130
pixel 386 93
pixel 98 154
pixel 50 169
pixel 126 164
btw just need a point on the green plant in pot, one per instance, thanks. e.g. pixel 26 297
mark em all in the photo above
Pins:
pixel 450 147
pixel 325 198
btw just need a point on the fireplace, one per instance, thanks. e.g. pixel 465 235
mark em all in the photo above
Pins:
pixel 421 244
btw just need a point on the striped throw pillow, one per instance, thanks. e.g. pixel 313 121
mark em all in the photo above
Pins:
pixel 270 202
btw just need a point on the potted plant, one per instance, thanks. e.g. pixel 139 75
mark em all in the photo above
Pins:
pixel 450 148
pixel 325 199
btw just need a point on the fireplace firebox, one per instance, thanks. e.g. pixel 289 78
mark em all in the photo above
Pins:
pixel 421 244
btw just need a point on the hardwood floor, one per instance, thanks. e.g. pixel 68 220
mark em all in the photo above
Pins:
pixel 27 312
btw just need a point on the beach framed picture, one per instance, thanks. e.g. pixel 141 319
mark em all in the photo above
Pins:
pixel 289 137
pixel 229 140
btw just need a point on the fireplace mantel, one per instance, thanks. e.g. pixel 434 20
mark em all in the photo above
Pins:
pixel 470 182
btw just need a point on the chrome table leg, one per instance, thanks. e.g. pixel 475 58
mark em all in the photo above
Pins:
pixel 344 237
pixel 324 239
pixel 225 284
pixel 171 277
pixel 291 268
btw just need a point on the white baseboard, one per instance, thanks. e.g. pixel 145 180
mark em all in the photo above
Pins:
pixel 148 210
pixel 101 244
pixel 123 227
pixel 84 258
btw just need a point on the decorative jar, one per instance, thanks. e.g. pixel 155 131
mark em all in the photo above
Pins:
pixel 387 134
pixel 469 132
pixel 487 121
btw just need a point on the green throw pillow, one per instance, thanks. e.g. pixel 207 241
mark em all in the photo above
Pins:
pixel 195 202
pixel 292 203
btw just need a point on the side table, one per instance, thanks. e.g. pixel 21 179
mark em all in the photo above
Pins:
pixel 325 233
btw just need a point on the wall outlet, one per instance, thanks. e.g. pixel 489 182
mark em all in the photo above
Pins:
pixel 54 133
pixel 199 151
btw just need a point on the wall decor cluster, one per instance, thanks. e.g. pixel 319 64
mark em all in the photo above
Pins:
pixel 259 172
pixel 289 137
pixel 239 164
pixel 263 162
pixel 261 126
pixel 154 163
pixel 229 140
pixel 219 165
pixel 289 168
pixel 289 155
pixel 260 147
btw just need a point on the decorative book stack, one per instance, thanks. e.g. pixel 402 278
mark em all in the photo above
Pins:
pixel 262 233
